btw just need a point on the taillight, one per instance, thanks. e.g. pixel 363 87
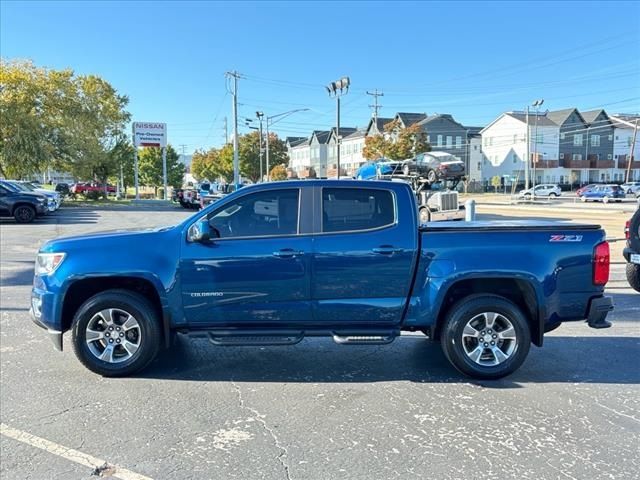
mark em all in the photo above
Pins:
pixel 627 229
pixel 601 264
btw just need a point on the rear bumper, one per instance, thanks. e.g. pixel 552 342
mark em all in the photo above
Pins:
pixel 626 253
pixel 599 308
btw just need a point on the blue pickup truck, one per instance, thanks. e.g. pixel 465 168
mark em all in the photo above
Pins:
pixel 276 262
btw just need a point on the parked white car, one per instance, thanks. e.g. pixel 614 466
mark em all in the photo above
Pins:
pixel 548 190
pixel 631 187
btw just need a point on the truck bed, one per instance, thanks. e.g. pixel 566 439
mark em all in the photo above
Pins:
pixel 531 225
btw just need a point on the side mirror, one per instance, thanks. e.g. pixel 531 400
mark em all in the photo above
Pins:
pixel 200 231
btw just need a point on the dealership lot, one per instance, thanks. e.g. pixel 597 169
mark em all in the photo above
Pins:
pixel 317 410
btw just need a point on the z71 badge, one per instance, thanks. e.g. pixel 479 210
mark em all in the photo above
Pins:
pixel 565 238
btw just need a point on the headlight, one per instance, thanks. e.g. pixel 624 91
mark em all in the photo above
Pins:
pixel 46 263
pixel 43 200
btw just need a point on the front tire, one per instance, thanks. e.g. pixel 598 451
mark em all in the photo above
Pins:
pixel 633 276
pixel 24 214
pixel 116 333
pixel 425 215
pixel 485 336
pixel 406 170
pixel 431 176
pixel 553 195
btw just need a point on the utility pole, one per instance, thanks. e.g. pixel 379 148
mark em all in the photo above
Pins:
pixel 375 105
pixel 631 150
pixel 226 131
pixel 183 147
pixel 236 163
pixel 526 163
pixel 164 172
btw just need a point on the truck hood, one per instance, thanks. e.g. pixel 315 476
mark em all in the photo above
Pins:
pixel 124 238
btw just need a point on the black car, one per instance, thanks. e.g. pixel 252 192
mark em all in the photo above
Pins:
pixel 63 189
pixel 23 206
pixel 435 166
pixel 632 251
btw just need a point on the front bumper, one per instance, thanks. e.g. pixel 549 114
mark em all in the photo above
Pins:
pixel 42 311
pixel 54 335
pixel 597 312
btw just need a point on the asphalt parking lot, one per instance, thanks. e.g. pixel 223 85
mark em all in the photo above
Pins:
pixel 315 410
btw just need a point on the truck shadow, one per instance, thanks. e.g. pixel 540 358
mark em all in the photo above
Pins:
pixel 564 359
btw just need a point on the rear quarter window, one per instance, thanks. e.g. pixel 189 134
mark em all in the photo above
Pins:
pixel 350 209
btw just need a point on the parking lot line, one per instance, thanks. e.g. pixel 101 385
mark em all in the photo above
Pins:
pixel 68 453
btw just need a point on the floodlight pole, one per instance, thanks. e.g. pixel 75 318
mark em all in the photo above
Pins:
pixel 337 89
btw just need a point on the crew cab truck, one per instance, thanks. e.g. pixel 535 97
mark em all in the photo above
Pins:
pixel 273 263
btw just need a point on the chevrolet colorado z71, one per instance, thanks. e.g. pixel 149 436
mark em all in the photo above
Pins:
pixel 276 262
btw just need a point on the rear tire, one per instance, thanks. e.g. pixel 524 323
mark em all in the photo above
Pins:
pixel 473 324
pixel 553 195
pixel 107 316
pixel 24 214
pixel 633 276
pixel 431 176
pixel 605 200
pixel 583 199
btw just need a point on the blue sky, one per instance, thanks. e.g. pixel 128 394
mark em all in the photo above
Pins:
pixel 471 59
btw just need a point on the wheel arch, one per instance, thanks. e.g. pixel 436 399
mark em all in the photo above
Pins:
pixel 520 291
pixel 80 290
pixel 22 203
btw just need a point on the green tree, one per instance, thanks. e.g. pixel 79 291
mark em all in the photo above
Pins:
pixel 279 172
pixel 224 163
pixel 204 164
pixel 56 118
pixel 249 154
pixel 495 182
pixel 150 167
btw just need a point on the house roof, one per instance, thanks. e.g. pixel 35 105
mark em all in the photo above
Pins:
pixel 473 131
pixel 321 135
pixel 431 118
pixel 295 141
pixel 380 123
pixel 357 134
pixel 543 121
pixel 591 116
pixel 560 116
pixel 409 119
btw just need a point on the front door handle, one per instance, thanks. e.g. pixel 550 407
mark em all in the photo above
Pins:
pixel 386 250
pixel 287 253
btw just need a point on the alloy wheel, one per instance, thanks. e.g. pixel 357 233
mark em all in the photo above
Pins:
pixel 489 339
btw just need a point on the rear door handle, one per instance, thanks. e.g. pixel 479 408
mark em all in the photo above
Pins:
pixel 386 250
pixel 287 253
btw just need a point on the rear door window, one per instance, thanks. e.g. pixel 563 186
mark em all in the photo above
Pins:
pixel 351 209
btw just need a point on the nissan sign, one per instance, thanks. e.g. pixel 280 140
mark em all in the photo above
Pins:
pixel 149 134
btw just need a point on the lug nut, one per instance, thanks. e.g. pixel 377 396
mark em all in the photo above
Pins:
pixel 492 343
pixel 121 334
pixel 118 341
pixel 111 328
pixel 118 328
pixel 106 334
pixel 488 331
pixel 486 344
pixel 111 340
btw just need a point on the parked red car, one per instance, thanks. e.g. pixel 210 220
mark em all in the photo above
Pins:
pixel 83 188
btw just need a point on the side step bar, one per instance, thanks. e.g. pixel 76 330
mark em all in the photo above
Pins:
pixel 265 337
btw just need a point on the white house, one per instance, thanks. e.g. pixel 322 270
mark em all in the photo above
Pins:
pixel 351 145
pixel 299 151
pixel 504 145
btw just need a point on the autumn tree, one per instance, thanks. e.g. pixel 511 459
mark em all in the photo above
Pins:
pixel 397 143
pixel 279 172
pixel 203 164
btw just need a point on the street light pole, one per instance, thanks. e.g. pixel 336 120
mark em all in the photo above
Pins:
pixel 528 156
pixel 337 89
pixel 274 119
pixel 259 115
pixel 537 104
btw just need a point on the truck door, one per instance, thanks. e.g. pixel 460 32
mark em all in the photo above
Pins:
pixel 258 271
pixel 364 253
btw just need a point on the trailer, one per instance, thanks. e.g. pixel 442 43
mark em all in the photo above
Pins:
pixel 437 201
